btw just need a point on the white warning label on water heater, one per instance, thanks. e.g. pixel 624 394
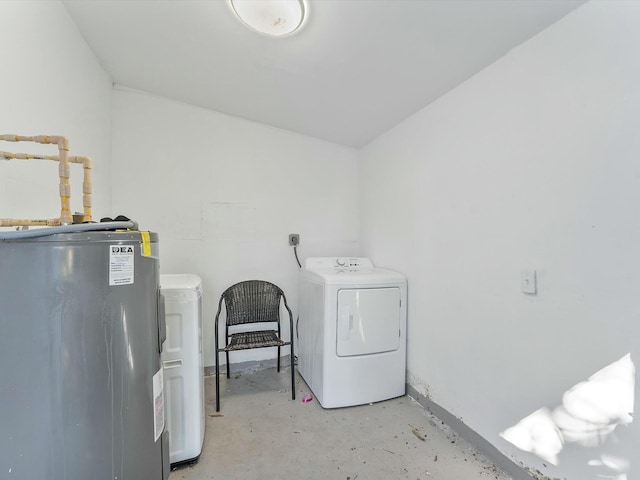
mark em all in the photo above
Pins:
pixel 158 404
pixel 121 263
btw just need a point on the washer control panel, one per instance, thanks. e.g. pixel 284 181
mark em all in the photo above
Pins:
pixel 337 263
pixel 347 262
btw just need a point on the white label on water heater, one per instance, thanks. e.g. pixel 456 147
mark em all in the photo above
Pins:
pixel 121 263
pixel 158 405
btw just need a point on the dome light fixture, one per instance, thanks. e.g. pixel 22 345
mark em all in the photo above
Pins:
pixel 272 17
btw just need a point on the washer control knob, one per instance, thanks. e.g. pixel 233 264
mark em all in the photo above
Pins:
pixel 341 262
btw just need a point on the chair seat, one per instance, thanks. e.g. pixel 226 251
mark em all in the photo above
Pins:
pixel 246 340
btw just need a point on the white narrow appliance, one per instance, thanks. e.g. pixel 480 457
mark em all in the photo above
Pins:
pixel 352 333
pixel 183 364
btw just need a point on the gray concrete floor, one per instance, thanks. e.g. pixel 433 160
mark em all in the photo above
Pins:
pixel 260 433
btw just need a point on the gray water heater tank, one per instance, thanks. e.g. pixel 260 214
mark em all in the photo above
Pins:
pixel 80 375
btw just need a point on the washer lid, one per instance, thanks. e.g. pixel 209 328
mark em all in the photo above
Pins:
pixel 348 271
pixel 359 276
pixel 180 281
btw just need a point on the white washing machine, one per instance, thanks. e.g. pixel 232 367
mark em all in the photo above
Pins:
pixel 352 333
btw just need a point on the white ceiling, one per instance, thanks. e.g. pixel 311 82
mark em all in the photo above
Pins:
pixel 356 69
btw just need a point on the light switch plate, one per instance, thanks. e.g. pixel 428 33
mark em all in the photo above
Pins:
pixel 528 281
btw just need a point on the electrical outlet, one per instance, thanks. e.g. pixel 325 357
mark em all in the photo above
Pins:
pixel 294 239
pixel 528 281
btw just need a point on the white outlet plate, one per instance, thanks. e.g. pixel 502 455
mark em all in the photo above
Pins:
pixel 528 282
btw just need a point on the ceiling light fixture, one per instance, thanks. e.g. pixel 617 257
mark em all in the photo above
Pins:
pixel 273 17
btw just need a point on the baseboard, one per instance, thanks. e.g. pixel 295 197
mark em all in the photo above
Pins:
pixel 515 471
pixel 250 366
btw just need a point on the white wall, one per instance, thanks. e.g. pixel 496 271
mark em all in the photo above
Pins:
pixel 224 193
pixel 532 164
pixel 51 84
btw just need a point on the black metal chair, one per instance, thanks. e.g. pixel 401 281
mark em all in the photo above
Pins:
pixel 249 302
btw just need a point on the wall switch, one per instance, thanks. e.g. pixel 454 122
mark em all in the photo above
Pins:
pixel 528 281
pixel 294 239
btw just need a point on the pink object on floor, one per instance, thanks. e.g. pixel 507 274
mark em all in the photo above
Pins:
pixel 306 398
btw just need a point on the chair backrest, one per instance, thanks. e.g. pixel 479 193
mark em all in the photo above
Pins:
pixel 252 301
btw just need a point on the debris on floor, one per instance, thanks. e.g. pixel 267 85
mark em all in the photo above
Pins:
pixel 375 441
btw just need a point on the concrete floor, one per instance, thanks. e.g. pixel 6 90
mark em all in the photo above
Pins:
pixel 260 433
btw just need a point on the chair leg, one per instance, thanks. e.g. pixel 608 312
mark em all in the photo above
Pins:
pixel 278 359
pixel 217 381
pixel 293 375
pixel 228 369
